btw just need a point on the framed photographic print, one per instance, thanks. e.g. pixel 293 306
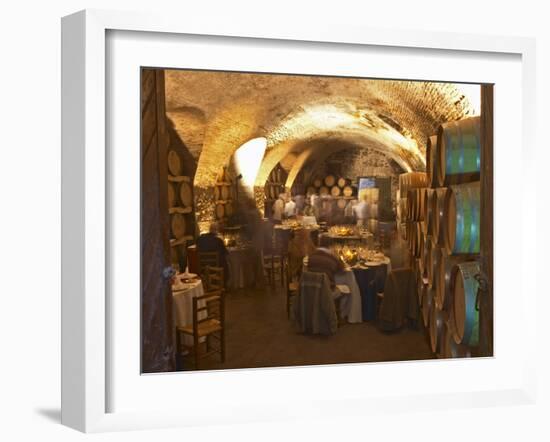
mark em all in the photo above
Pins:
pixel 249 215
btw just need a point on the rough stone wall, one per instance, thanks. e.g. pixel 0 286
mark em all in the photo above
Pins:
pixel 353 163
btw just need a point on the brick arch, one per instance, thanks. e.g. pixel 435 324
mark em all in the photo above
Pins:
pixel 288 109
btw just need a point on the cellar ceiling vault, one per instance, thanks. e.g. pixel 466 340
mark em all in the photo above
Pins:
pixel 305 118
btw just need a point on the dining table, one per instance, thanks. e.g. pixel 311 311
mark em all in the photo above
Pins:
pixel 371 278
pixel 364 280
pixel 245 268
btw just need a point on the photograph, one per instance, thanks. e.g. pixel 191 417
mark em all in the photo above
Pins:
pixel 296 220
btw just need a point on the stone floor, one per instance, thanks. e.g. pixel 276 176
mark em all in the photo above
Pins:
pixel 258 334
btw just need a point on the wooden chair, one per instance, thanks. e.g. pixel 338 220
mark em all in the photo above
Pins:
pixel 208 259
pixel 292 289
pixel 208 322
pixel 213 279
pixel 273 261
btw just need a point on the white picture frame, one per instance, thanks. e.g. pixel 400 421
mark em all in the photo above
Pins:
pixel 86 207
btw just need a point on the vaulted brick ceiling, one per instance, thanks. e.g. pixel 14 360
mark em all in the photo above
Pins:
pixel 304 118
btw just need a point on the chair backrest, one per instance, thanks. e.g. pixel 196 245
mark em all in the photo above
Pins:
pixel 213 278
pixel 208 259
pixel 213 306
pixel 315 310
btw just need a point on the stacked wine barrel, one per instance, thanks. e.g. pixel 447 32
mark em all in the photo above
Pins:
pixel 442 227
pixel 336 192
pixel 275 184
pixel 180 205
pixel 224 193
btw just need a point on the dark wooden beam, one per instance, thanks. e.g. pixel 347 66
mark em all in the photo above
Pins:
pixel 486 252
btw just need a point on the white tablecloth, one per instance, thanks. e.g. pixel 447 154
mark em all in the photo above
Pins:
pixel 350 305
pixel 183 305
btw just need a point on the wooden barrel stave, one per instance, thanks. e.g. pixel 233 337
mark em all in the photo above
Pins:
pixel 437 329
pixel 411 180
pixel 432 177
pixel 428 218
pixel 439 216
pixel 427 301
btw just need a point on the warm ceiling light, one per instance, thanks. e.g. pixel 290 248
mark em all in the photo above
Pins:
pixel 248 159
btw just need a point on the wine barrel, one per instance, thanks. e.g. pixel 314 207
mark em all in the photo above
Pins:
pixel 420 254
pixel 411 180
pixel 449 348
pixel 348 191
pixel 433 257
pixel 419 240
pixel 465 310
pixel 220 211
pixel 415 203
pixel 224 176
pixel 443 275
pixel 427 301
pixel 178 226
pixel 217 193
pixel 402 209
pixel 171 195
pixel 229 209
pixel 317 182
pixel 462 207
pixel 341 203
pixel 428 206
pixel 420 286
pixel 311 191
pixel 174 163
pixel 335 191
pixel 323 191
pixel 330 181
pixel 439 216
pixel 224 192
pixel 342 182
pixel 437 329
pixel 458 151
pixel 186 196
pixel 425 253
pixel 402 228
pixel 432 178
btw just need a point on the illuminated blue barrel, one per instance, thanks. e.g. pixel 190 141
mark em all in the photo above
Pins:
pixel 462 209
pixel 458 152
